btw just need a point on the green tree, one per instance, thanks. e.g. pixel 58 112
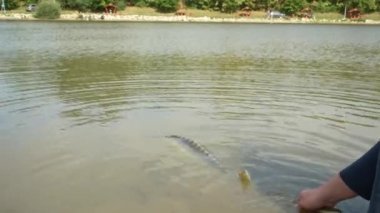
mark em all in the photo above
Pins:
pixel 260 4
pixel 166 6
pixel 274 4
pixel 80 5
pixel 363 5
pixel 367 5
pixel 11 4
pixel 48 10
pixel 85 5
pixel 199 4
pixel 252 4
pixel 142 3
pixel 230 6
pixel 121 4
pixel 291 7
pixel 324 6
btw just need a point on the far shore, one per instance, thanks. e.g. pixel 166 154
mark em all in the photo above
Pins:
pixel 76 16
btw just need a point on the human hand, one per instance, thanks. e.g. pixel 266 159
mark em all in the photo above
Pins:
pixel 311 200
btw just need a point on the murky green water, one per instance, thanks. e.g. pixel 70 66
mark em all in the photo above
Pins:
pixel 85 108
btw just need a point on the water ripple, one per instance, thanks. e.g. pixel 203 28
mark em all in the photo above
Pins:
pixel 292 110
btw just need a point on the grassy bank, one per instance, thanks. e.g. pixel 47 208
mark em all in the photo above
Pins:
pixel 215 14
pixel 336 16
pixel 256 16
pixel 372 16
pixel 189 12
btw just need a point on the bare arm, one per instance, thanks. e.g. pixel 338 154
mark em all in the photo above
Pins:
pixel 356 179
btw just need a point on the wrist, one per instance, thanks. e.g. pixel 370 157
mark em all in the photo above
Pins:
pixel 326 196
pixel 334 191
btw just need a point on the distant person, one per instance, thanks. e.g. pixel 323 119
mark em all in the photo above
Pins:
pixel 269 14
pixel 361 178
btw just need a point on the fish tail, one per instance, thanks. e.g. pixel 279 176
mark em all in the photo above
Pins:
pixel 174 136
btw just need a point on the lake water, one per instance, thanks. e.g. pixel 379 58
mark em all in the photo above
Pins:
pixel 85 108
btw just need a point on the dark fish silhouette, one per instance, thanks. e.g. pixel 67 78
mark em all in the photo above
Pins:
pixel 245 178
pixel 198 148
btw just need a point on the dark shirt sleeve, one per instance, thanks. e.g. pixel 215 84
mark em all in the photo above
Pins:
pixel 360 175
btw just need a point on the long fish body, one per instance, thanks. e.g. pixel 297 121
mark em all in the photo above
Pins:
pixel 245 178
pixel 201 150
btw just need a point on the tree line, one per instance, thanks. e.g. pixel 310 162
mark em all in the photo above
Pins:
pixel 289 7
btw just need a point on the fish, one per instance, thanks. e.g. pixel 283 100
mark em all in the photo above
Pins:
pixel 200 149
pixel 245 177
pixel 243 174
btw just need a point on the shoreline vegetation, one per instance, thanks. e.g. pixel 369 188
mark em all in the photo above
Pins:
pixel 138 14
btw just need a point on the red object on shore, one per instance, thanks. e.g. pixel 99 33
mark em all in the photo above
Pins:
pixel 354 13
pixel 110 8
pixel 246 11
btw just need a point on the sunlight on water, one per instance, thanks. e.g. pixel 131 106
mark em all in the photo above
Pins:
pixel 85 109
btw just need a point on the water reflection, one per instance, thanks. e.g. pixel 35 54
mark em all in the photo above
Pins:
pixel 93 89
